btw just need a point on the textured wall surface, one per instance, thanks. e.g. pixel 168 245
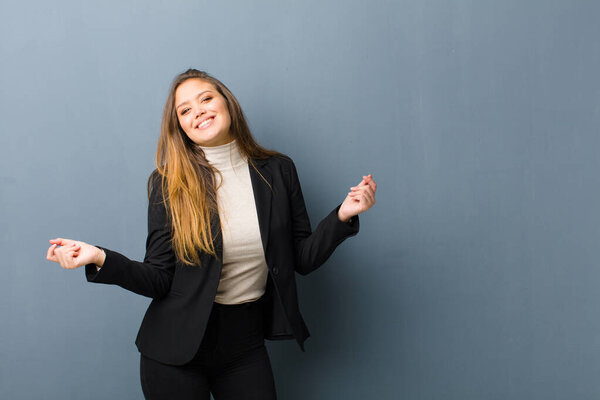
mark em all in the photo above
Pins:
pixel 474 277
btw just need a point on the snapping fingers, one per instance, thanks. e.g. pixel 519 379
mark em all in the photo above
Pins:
pixel 50 255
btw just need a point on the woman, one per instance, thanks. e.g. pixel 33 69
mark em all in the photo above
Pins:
pixel 227 230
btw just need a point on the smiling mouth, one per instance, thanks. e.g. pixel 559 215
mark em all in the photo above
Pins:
pixel 205 123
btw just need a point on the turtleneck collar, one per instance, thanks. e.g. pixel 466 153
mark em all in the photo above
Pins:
pixel 225 156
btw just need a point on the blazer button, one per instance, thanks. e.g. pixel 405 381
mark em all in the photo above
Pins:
pixel 275 270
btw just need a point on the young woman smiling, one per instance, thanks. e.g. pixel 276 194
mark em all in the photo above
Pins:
pixel 227 231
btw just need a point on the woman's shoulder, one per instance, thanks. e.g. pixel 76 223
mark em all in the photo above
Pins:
pixel 280 160
pixel 155 184
pixel 154 178
pixel 283 166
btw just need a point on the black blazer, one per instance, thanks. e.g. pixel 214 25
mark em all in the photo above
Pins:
pixel 183 295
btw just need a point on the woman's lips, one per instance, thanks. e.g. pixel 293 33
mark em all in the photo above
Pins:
pixel 206 123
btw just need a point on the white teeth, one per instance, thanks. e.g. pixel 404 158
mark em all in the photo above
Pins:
pixel 208 121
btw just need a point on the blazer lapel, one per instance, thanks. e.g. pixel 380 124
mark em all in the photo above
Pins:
pixel 262 197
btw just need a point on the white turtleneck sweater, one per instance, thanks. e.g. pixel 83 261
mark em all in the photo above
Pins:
pixel 244 274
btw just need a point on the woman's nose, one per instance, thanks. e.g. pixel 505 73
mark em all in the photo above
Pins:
pixel 200 111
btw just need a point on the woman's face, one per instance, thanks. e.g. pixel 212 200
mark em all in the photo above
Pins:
pixel 202 113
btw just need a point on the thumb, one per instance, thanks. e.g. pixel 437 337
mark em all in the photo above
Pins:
pixel 61 241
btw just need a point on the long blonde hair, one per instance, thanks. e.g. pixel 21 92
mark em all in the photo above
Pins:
pixel 188 180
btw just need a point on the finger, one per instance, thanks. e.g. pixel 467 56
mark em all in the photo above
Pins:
pixel 61 241
pixel 364 194
pixel 50 254
pixel 361 199
pixel 368 178
pixel 50 251
pixel 360 189
pixel 64 242
pixel 372 184
pixel 361 183
pixel 369 189
pixel 369 197
pixel 66 251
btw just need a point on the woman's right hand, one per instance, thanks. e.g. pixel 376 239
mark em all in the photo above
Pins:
pixel 72 254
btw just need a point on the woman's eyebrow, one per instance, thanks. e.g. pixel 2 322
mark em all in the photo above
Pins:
pixel 199 94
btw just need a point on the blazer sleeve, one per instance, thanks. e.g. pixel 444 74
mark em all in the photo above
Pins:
pixel 153 276
pixel 314 248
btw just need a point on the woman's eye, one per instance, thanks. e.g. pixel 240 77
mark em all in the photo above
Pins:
pixel 184 111
pixel 206 99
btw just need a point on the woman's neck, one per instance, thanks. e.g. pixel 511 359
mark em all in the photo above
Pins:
pixel 225 156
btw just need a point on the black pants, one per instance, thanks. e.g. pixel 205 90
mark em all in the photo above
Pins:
pixel 232 362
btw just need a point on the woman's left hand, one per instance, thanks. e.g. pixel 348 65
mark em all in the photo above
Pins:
pixel 360 199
